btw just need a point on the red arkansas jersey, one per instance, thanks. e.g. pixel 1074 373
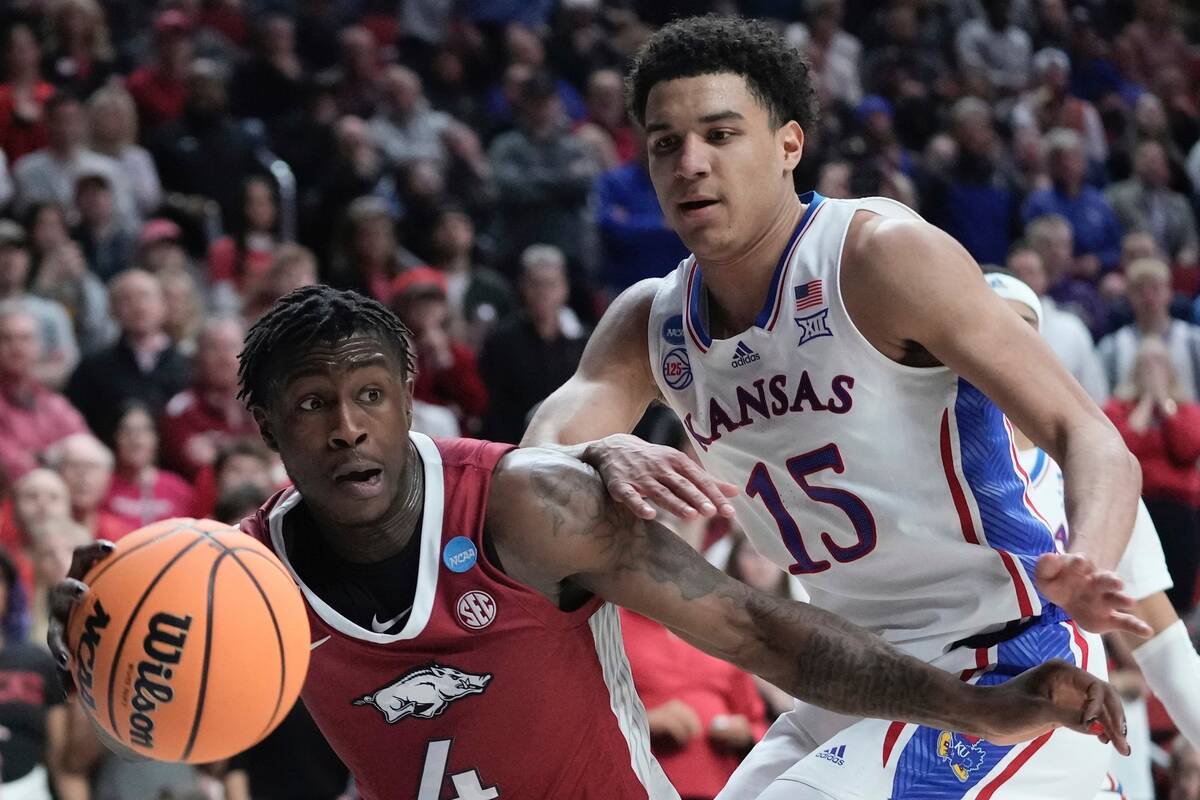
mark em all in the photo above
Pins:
pixel 490 691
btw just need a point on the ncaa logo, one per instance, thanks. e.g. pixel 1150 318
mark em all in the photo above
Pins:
pixel 672 330
pixel 475 610
pixel 677 369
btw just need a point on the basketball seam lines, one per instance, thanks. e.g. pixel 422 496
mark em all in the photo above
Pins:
pixel 274 624
pixel 208 627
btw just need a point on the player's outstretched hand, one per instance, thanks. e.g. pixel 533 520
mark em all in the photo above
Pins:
pixel 1092 597
pixel 63 598
pixel 635 471
pixel 1054 695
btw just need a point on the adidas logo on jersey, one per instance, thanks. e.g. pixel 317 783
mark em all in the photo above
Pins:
pixel 836 754
pixel 743 355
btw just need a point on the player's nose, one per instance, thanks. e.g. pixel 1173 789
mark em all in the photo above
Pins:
pixel 693 158
pixel 349 429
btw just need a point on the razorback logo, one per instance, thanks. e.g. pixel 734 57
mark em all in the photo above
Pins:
pixel 424 692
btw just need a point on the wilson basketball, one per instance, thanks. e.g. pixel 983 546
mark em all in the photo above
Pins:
pixel 191 644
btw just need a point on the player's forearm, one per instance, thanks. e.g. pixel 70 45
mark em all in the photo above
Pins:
pixel 1103 483
pixel 820 658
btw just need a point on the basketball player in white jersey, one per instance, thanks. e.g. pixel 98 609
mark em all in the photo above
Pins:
pixel 833 361
pixel 1169 662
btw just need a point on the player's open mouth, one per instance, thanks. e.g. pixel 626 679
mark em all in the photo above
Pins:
pixel 696 205
pixel 363 483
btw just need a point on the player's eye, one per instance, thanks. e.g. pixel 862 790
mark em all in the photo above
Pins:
pixel 720 135
pixel 310 403
pixel 371 395
pixel 665 144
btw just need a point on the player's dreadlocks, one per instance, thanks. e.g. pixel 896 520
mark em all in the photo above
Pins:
pixel 775 72
pixel 306 316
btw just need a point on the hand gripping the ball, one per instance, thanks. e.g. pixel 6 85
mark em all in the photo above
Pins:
pixel 63 597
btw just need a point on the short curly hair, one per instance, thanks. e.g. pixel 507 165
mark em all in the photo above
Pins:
pixel 775 72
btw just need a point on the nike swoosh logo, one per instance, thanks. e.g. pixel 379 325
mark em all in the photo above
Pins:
pixel 382 627
pixel 318 643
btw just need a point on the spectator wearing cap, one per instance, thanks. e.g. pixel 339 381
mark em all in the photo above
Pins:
pixel 1095 228
pixel 975 199
pixel 114 133
pixel 160 247
pixel 59 350
pixel 447 372
pixel 204 152
pixel 86 466
pixel 198 421
pixel 160 88
pixel 32 417
pixel 23 95
pixel 1049 104
pixel 368 257
pixel 533 352
pixel 1145 202
pixel 1149 292
pixel 49 174
pixel 143 364
pixel 63 277
pixel 635 241
pixel 478 296
pixel 107 244
pixel 544 175
pixel 992 52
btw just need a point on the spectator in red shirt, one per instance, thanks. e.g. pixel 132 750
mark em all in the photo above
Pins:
pixel 22 96
pixel 140 492
pixel 31 416
pixel 39 496
pixel 1162 429
pixel 201 418
pixel 704 714
pixel 160 89
pixel 239 263
pixel 87 467
pixel 241 462
pixel 447 372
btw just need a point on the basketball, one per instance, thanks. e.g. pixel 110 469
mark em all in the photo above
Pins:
pixel 192 643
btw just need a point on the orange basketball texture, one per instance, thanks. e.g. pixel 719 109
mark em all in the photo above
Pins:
pixel 192 643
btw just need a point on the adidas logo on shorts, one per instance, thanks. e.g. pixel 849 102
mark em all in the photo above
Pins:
pixel 836 754
pixel 743 355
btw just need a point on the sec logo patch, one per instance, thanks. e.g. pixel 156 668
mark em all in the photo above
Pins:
pixel 677 369
pixel 475 610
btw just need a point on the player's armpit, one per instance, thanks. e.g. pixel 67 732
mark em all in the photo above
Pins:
pixel 612 386
pixel 911 285
pixel 554 526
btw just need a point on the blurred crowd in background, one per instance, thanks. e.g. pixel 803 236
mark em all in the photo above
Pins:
pixel 169 169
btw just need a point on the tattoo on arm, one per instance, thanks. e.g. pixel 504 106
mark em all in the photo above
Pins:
pixel 813 654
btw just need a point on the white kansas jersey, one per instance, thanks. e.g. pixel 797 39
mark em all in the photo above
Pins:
pixel 892 492
pixel 1143 566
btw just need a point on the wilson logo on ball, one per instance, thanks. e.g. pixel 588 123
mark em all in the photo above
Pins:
pixel 85 652
pixel 164 648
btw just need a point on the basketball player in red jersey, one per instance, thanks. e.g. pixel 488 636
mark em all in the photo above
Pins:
pixel 462 647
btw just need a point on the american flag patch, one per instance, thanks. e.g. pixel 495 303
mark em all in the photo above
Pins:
pixel 809 295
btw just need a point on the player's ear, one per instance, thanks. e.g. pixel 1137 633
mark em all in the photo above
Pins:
pixel 264 427
pixel 409 382
pixel 791 139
